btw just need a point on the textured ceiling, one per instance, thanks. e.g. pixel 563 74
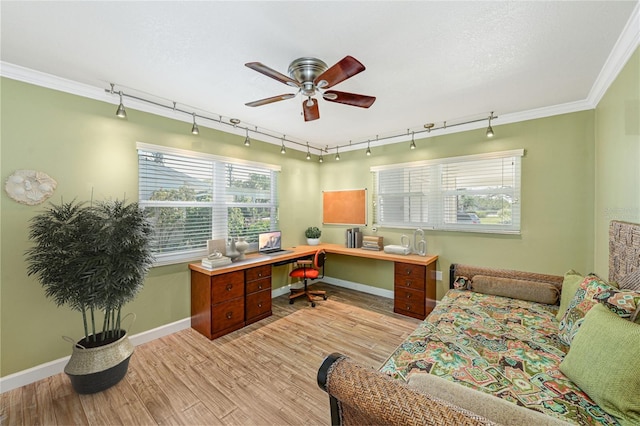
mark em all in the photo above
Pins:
pixel 426 61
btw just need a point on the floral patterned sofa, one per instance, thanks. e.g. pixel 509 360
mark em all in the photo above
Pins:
pixel 510 347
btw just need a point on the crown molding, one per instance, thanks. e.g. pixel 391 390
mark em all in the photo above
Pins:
pixel 625 46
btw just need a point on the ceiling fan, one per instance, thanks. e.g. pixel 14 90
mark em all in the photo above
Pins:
pixel 312 76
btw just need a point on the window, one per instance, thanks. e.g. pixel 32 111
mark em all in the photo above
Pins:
pixel 478 193
pixel 194 197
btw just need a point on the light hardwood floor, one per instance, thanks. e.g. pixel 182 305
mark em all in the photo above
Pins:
pixel 264 374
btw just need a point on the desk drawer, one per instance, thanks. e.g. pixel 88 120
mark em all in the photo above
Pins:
pixel 413 307
pixel 258 304
pixel 404 295
pixel 403 281
pixel 409 270
pixel 227 286
pixel 258 285
pixel 257 273
pixel 227 315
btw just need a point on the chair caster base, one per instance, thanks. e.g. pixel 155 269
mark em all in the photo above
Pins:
pixel 291 301
pixel 324 297
pixel 313 304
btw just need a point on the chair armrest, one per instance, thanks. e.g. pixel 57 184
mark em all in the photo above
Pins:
pixel 360 395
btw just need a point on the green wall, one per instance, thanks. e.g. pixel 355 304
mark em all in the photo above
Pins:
pixel 557 199
pixel 573 162
pixel 617 148
pixel 80 143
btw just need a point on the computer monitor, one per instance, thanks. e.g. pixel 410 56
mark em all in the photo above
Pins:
pixel 269 241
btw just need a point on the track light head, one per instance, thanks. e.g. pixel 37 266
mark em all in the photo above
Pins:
pixel 368 152
pixel 194 129
pixel 490 129
pixel 121 112
pixel 321 159
pixel 283 150
pixel 413 142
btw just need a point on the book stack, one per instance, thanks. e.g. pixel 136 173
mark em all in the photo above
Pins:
pixel 369 242
pixel 216 262
pixel 353 238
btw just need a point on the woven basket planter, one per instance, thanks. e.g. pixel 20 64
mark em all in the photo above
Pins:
pixel 98 368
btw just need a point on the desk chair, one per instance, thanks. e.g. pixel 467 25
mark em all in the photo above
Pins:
pixel 309 269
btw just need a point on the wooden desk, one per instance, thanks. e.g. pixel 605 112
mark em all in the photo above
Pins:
pixel 414 284
pixel 228 298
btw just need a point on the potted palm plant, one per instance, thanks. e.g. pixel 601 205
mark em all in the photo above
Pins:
pixel 93 258
pixel 313 235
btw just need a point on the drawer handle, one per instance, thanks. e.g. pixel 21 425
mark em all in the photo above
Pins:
pixel 408 307
pixel 259 286
pixel 408 295
pixel 260 305
pixel 408 271
pixel 259 274
pixel 229 315
pixel 408 283
pixel 229 287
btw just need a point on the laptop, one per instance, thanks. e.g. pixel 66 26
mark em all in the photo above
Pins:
pixel 269 243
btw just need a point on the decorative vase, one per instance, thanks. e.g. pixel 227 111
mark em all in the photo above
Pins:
pixel 241 247
pixel 94 369
pixel 313 241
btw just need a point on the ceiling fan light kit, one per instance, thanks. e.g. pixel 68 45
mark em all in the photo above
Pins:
pixel 311 77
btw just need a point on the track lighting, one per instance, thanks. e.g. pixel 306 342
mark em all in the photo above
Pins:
pixel 308 153
pixel 121 112
pixel 490 129
pixel 194 129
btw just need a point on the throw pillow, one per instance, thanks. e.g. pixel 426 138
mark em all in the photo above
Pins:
pixel 603 361
pixel 624 303
pixel 572 280
pixel 582 301
pixel 461 283
pixel 532 291
pixel 631 281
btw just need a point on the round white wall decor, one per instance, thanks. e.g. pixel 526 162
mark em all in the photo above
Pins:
pixel 30 186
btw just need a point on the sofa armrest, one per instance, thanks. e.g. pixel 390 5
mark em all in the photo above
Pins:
pixel 360 395
pixel 469 271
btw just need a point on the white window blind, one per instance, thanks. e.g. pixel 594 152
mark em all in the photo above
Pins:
pixel 477 193
pixel 193 197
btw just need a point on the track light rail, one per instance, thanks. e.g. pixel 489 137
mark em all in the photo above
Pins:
pixel 234 122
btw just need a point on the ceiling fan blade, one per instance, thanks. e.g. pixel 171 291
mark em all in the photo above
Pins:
pixel 347 67
pixel 270 72
pixel 353 99
pixel 270 100
pixel 311 112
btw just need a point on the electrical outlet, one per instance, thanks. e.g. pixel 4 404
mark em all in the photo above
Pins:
pixel 438 275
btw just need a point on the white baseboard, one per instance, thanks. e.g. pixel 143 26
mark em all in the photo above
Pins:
pixel 364 288
pixel 52 368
